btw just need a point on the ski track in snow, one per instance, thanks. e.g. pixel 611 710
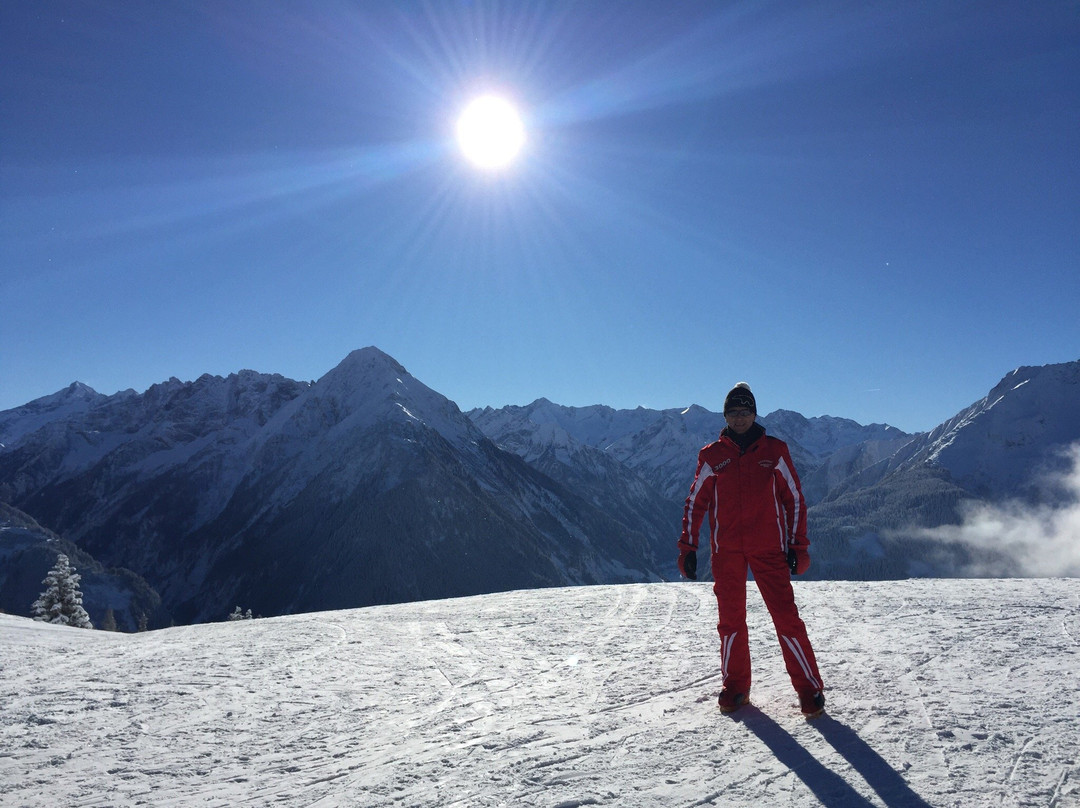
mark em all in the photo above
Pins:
pixel 941 693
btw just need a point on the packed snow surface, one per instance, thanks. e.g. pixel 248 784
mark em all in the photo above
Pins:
pixel 941 693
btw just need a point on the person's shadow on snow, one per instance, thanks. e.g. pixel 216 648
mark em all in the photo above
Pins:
pixel 829 787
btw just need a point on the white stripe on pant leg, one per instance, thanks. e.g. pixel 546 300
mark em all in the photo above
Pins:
pixel 725 655
pixel 800 657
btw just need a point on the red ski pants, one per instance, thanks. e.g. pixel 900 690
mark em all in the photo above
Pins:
pixel 773 580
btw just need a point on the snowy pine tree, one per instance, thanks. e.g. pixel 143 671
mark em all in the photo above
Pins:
pixel 61 602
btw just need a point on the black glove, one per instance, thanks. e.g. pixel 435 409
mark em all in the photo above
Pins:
pixel 798 559
pixel 688 564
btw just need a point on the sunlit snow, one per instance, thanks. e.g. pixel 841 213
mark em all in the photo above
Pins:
pixel 942 693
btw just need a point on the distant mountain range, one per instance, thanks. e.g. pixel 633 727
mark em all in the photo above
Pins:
pixel 368 487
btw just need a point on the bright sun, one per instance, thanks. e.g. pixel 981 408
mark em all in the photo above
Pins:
pixel 490 132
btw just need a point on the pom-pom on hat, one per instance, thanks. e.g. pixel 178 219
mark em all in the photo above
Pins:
pixel 740 398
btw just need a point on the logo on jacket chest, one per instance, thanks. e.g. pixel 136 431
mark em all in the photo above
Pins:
pixel 766 464
pixel 719 466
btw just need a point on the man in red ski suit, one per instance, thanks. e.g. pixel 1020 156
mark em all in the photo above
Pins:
pixel 746 484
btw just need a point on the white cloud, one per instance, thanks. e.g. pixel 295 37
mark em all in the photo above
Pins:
pixel 1022 539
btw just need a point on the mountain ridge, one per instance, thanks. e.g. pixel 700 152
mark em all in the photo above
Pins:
pixel 364 487
pixel 368 486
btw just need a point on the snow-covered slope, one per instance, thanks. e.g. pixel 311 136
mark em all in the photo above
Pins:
pixel 941 693
pixel 1000 445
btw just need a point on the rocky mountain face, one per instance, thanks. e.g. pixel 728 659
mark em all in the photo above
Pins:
pixel 1009 449
pixel 368 487
pixel 365 487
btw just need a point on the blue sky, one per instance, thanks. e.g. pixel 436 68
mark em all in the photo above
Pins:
pixel 866 210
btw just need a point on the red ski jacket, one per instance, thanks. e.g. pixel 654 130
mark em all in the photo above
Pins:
pixel 753 498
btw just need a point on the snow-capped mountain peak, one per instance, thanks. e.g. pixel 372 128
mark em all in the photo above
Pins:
pixel 993 446
pixel 73 400
pixel 369 387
